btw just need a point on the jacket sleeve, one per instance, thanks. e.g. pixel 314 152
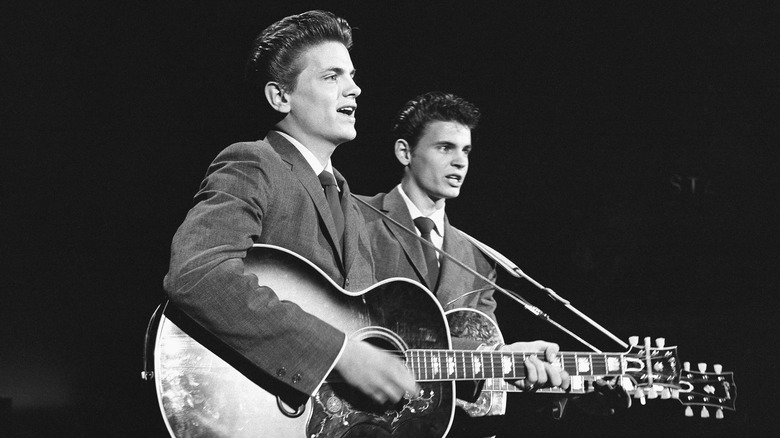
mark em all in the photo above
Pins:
pixel 206 278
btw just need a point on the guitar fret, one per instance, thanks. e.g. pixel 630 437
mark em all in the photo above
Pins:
pixel 428 363
pixel 565 362
pixel 597 364
pixel 422 364
pixel 415 360
pixel 506 364
pixel 615 364
pixel 410 360
pixel 601 368
pixel 426 358
pixel 409 355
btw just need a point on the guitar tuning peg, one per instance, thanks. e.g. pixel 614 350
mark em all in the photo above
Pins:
pixel 626 383
pixel 666 394
pixel 660 342
pixel 704 412
pixel 702 367
pixel 633 340
pixel 718 368
pixel 652 394
pixel 640 394
pixel 687 366
pixel 688 411
pixel 719 414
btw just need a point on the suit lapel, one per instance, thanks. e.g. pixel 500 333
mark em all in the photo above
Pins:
pixel 452 276
pixel 395 207
pixel 303 171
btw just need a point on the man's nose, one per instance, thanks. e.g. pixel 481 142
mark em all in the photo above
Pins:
pixel 352 88
pixel 460 160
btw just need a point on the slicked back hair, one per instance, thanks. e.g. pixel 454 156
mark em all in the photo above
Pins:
pixel 410 122
pixel 276 51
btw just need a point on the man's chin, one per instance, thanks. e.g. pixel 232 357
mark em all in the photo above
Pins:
pixel 450 193
pixel 347 136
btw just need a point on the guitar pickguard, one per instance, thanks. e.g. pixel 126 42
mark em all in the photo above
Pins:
pixel 472 324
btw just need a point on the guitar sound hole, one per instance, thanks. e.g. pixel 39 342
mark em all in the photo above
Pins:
pixel 381 343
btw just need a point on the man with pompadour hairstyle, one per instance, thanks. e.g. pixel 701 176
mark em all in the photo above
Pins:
pixel 271 191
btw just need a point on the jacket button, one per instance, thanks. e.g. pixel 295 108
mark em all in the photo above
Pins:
pixel 296 378
pixel 281 372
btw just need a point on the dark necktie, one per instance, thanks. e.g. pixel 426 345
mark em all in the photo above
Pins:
pixel 328 182
pixel 425 225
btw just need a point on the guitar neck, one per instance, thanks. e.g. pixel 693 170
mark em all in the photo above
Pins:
pixel 437 365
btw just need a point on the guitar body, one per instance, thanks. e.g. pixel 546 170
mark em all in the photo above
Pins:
pixel 202 395
pixel 473 324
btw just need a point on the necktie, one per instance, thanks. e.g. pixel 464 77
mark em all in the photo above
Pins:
pixel 328 182
pixel 426 225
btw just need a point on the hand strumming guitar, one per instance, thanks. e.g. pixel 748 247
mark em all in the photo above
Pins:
pixel 376 373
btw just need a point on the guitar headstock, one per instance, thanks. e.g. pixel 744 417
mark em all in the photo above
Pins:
pixel 706 389
pixel 651 372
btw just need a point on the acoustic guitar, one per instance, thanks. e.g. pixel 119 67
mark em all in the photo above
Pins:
pixel 203 392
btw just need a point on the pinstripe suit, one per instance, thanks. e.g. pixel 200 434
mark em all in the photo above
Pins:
pixel 265 192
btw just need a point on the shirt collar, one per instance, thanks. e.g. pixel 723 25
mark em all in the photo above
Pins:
pixel 315 164
pixel 437 216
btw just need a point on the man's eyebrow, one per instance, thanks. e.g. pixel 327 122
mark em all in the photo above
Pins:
pixel 339 70
pixel 451 144
pixel 444 143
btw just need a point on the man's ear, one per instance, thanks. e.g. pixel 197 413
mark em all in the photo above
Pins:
pixel 277 97
pixel 403 152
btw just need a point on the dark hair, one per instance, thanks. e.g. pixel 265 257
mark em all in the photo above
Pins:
pixel 411 121
pixel 275 52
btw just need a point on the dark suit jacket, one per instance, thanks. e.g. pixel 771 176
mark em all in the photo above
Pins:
pixel 265 192
pixel 398 254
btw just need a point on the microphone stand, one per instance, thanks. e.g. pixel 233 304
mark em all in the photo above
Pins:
pixel 514 270
pixel 513 295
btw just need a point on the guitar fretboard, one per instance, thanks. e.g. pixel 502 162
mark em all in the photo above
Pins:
pixel 434 365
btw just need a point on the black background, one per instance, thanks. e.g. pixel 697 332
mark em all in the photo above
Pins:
pixel 597 119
